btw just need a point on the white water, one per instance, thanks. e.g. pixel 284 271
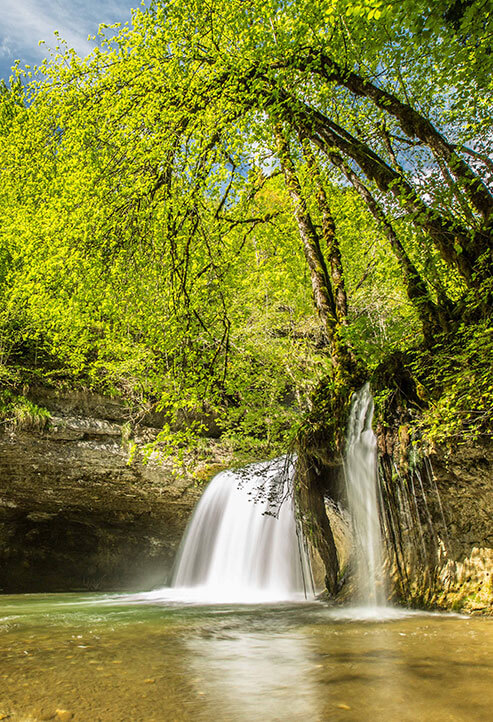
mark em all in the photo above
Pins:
pixel 241 544
pixel 362 489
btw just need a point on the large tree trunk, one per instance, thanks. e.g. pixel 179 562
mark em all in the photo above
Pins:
pixel 321 287
pixel 311 502
pixel 433 318
pixel 413 124
pixel 330 238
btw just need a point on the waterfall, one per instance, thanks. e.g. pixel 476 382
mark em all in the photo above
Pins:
pixel 362 490
pixel 242 543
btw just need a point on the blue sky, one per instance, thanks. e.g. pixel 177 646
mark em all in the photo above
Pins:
pixel 23 23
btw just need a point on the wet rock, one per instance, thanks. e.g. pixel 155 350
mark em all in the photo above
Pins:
pixel 438 524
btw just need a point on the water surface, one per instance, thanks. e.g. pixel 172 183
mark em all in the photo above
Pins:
pixel 134 658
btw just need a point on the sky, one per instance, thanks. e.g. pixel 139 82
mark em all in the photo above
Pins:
pixel 23 23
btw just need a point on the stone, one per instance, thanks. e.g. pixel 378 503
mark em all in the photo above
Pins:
pixel 74 515
pixel 441 533
pixel 63 715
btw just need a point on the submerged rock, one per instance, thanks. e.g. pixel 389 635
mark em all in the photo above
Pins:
pixel 63 715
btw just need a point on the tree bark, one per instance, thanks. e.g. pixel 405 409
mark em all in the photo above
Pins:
pixel 330 238
pixel 322 291
pixel 433 318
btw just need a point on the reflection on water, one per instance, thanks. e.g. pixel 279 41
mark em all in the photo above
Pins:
pixel 102 659
pixel 254 675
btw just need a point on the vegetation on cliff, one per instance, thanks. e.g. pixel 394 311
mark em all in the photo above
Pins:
pixel 240 210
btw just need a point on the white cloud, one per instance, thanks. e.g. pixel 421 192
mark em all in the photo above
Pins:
pixel 23 23
pixel 5 47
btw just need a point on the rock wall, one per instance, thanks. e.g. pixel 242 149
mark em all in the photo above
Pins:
pixel 74 514
pixel 437 515
pixel 437 521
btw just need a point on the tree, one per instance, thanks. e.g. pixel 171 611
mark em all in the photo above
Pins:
pixel 152 172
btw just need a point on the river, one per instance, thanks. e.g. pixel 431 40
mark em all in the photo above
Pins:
pixel 131 659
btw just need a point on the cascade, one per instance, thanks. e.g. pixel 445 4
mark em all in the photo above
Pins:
pixel 242 543
pixel 362 489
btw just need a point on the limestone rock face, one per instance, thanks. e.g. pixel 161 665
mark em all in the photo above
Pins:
pixel 74 514
pixel 436 515
pixel 438 519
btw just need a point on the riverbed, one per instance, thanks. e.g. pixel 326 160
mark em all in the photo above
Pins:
pixel 97 657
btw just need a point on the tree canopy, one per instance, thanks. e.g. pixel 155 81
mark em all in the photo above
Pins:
pixel 229 201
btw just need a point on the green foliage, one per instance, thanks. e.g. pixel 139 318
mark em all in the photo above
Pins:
pixel 20 413
pixel 456 381
pixel 148 247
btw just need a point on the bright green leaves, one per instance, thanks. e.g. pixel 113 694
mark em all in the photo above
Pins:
pixel 143 248
pixel 458 383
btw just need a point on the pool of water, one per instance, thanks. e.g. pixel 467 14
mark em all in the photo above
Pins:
pixel 127 659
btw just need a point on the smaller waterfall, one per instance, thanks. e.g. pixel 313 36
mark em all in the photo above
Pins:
pixel 362 490
pixel 242 543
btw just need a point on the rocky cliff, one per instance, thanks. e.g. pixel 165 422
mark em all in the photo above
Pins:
pixel 74 513
pixel 438 523
pixel 436 513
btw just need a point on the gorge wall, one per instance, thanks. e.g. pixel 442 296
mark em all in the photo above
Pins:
pixel 74 514
pixel 436 512
pixel 437 517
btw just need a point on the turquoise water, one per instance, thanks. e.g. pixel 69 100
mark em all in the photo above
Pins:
pixel 96 657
